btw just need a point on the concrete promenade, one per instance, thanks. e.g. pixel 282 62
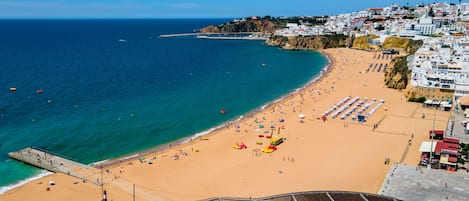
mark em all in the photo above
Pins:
pixel 51 162
pixel 411 183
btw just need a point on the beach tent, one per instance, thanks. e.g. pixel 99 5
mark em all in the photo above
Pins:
pixel 432 102
pixel 445 105
pixel 427 147
pixel 361 118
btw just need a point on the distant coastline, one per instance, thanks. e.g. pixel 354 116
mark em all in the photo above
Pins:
pixel 200 34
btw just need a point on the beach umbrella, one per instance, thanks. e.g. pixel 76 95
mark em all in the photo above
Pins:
pixel 301 116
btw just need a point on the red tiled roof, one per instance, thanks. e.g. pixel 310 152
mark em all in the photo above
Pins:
pixel 446 148
pixel 451 140
pixel 452 159
pixel 437 132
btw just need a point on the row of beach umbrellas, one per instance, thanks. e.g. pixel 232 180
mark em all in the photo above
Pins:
pixel 352 110
pixel 381 102
pixel 364 108
pixel 341 110
pixel 337 105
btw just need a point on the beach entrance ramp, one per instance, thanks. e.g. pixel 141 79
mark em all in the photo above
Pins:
pixel 54 163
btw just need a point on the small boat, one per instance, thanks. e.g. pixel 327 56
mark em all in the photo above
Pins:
pixel 263 65
pixel 12 88
pixel 122 40
pixel 39 91
pixel 222 111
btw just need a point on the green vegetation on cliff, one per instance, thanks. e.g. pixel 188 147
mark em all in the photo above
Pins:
pixel 266 24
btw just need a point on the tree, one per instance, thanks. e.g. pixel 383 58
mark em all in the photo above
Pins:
pixel 379 27
pixel 431 13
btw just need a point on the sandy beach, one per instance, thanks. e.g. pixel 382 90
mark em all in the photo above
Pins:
pixel 316 155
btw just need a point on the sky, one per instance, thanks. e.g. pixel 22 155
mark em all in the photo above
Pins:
pixel 65 9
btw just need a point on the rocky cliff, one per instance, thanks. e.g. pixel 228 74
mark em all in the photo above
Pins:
pixel 408 45
pixel 398 74
pixel 310 42
pixel 264 26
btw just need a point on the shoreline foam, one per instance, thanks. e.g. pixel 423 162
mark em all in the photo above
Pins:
pixel 42 173
pixel 206 133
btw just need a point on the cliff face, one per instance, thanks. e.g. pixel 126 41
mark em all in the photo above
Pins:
pixel 309 42
pixel 264 26
pixel 361 43
pixel 408 45
pixel 398 74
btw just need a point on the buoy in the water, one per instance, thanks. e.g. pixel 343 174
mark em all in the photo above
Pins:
pixel 263 65
pixel 39 91
pixel 222 111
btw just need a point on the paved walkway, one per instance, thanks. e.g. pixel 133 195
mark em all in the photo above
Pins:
pixel 409 183
pixel 55 163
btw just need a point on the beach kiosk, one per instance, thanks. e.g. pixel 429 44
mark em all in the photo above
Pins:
pixel 361 118
pixel 437 134
pixel 425 149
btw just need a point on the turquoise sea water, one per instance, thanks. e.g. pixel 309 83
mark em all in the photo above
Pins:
pixel 104 98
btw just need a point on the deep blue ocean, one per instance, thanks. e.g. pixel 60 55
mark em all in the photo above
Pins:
pixel 104 97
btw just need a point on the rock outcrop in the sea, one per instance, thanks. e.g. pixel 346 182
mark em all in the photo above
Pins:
pixel 310 42
pixel 252 25
pixel 398 74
